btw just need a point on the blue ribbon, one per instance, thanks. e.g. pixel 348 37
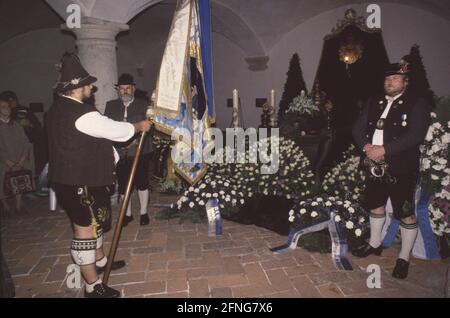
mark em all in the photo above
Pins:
pixel 294 235
pixel 339 251
pixel 391 233
pixel 429 239
pixel 338 238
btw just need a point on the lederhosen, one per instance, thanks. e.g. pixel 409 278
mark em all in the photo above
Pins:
pixel 403 168
pixel 80 170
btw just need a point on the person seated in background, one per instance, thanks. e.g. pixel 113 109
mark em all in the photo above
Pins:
pixel 15 154
pixel 32 127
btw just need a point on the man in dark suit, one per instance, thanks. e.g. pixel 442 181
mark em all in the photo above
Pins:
pixel 129 108
pixel 389 131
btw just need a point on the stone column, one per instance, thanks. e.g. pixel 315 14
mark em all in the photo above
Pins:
pixel 96 47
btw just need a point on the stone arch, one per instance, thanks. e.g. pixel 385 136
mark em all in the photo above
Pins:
pixel 228 23
pixel 232 26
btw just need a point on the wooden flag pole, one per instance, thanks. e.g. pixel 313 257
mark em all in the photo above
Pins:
pixel 123 209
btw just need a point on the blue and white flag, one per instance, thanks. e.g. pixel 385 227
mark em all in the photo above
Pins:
pixel 184 105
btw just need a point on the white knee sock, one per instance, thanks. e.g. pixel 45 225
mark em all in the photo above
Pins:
pixel 102 262
pixel 409 234
pixel 129 205
pixel 143 200
pixel 376 227
pixel 90 287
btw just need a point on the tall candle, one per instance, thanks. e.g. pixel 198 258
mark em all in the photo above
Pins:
pixel 235 99
pixel 272 98
pixel 273 108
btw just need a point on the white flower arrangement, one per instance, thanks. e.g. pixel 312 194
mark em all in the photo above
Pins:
pixel 303 105
pixel 439 209
pixel 233 184
pixel 293 167
pixel 435 159
pixel 346 180
pixel 353 218
pixel 435 170
pixel 308 212
pixel 350 215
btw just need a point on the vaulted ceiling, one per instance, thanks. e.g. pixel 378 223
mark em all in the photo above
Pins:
pixel 254 25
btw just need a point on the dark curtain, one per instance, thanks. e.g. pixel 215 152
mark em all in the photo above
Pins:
pixel 349 87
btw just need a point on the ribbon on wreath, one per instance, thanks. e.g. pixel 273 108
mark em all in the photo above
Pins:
pixel 295 234
pixel 425 236
pixel 339 244
pixel 339 249
pixel 214 217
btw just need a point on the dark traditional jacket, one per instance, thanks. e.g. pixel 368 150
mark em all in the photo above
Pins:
pixel 404 129
pixel 76 158
pixel 136 112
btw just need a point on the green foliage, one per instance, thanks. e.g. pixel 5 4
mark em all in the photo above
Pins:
pixel 293 86
pixel 170 186
pixel 442 109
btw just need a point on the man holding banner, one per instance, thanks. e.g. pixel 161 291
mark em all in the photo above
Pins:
pixel 81 168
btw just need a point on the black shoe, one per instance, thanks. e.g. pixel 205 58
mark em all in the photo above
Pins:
pixel 127 220
pixel 145 219
pixel 366 249
pixel 115 266
pixel 401 269
pixel 102 291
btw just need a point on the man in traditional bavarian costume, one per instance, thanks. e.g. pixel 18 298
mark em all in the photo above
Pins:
pixel 129 108
pixel 389 131
pixel 81 168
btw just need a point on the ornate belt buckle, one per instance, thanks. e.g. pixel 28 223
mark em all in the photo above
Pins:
pixel 377 170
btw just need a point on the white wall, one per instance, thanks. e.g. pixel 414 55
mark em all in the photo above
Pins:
pixel 28 64
pixel 230 72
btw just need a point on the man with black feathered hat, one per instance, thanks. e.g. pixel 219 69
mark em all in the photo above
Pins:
pixel 81 168
pixel 389 131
